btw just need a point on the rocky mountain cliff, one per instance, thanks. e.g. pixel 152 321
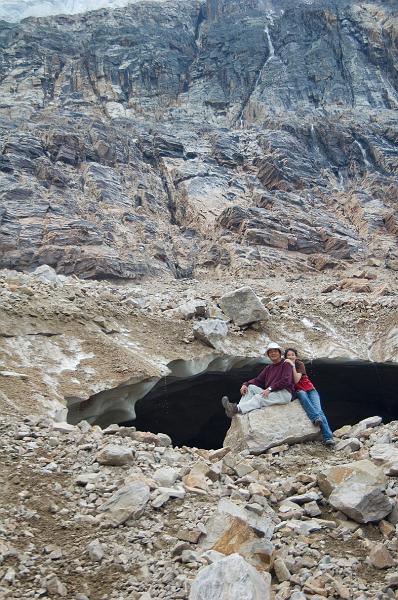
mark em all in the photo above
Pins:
pixel 181 138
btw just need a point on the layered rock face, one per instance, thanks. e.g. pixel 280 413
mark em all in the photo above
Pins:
pixel 181 138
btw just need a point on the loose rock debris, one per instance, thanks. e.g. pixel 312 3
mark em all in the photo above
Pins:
pixel 99 515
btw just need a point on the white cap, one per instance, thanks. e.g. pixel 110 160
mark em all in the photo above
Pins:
pixel 273 346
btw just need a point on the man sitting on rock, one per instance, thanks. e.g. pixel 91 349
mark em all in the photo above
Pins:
pixel 274 385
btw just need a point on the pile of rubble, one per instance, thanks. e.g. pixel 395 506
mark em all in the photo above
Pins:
pixel 121 514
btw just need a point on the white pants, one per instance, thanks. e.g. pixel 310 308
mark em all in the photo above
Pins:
pixel 253 399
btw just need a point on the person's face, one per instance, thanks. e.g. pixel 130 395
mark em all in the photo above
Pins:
pixel 274 355
pixel 292 355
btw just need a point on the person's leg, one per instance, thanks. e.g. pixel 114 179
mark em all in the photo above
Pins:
pixel 251 400
pixel 320 417
pixel 306 403
pixel 279 397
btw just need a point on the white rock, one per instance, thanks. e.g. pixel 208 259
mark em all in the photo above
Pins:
pixel 48 274
pixel 165 476
pixel 211 332
pixel 13 374
pixel 243 307
pixel 360 471
pixel 259 430
pixel 348 444
pixel 361 502
pixel 384 454
pixel 9 576
pixel 165 440
pixel 160 500
pixel 115 456
pixel 111 429
pixel 176 492
pixel 64 427
pixel 127 503
pixel 55 587
pixel 231 578
pixel 86 478
pixel 95 551
pixel 363 425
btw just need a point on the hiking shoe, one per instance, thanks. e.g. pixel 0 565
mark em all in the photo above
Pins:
pixel 230 408
pixel 329 442
pixel 318 422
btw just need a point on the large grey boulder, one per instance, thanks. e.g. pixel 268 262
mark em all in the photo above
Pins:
pixel 243 307
pixel 211 332
pixel 259 430
pixel 361 502
pixel 357 472
pixel 228 578
pixel 127 503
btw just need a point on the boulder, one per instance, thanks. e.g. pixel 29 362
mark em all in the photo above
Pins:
pixel 233 529
pixel 196 478
pixel 48 274
pixel 348 445
pixel 115 456
pixel 243 306
pixel 230 577
pixel 127 503
pixel 361 502
pixel 380 557
pixel 363 425
pixel 385 455
pixel 211 332
pixel 165 476
pixel 360 471
pixel 259 430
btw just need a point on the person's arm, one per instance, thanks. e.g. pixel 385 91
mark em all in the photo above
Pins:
pixel 298 369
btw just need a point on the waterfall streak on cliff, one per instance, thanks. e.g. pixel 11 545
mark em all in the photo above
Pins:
pixel 363 152
pixel 271 55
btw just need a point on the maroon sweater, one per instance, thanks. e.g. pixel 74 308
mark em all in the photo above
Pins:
pixel 279 377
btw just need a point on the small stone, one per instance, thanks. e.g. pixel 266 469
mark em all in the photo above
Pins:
pixel 312 509
pixel 165 476
pixel 115 456
pixel 9 576
pixel 95 550
pixel 281 570
pixel 387 529
pixel 189 535
pixel 348 444
pixel 55 587
pixel 127 503
pixel 392 579
pixel 380 557
pixel 64 427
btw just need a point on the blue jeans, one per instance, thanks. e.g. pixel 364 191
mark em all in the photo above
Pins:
pixel 311 403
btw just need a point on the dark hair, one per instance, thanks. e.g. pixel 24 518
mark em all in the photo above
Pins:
pixel 290 350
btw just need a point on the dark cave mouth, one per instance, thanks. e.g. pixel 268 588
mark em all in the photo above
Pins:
pixel 189 409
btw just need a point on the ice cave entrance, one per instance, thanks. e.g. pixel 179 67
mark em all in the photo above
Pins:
pixel 187 406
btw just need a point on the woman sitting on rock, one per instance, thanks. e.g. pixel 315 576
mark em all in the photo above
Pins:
pixel 308 396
